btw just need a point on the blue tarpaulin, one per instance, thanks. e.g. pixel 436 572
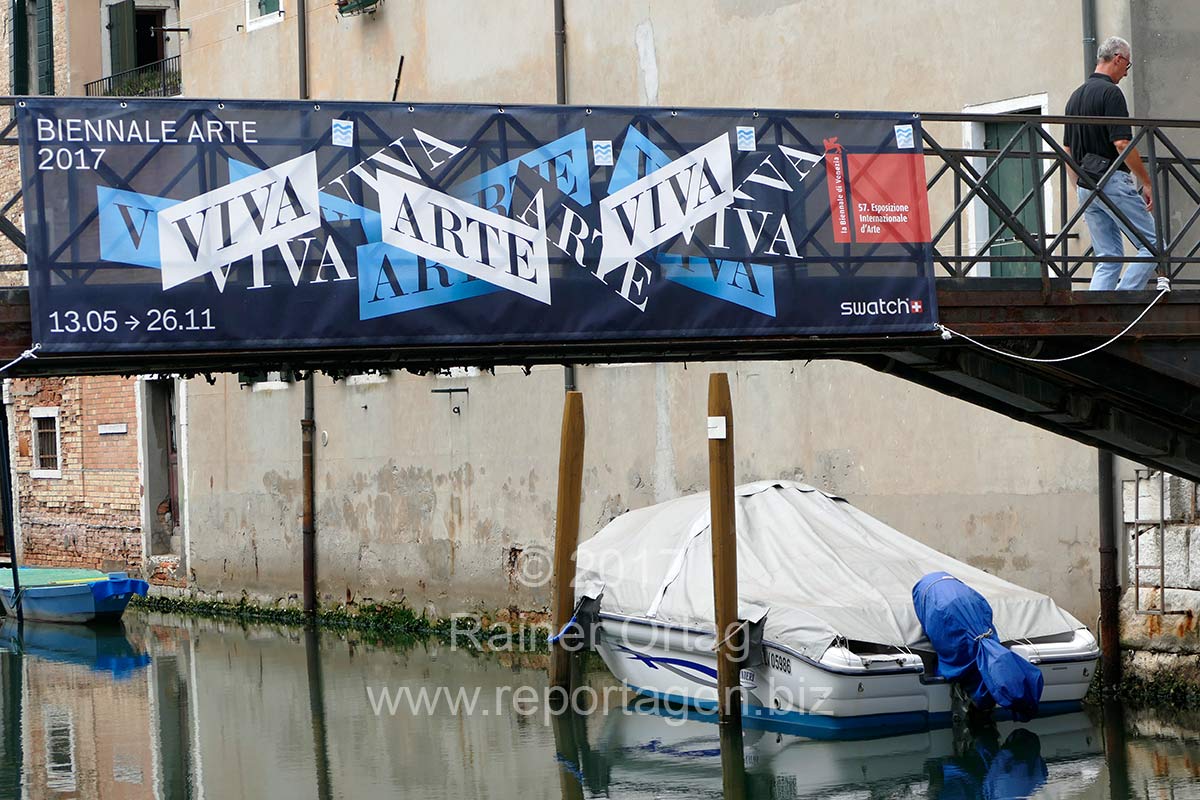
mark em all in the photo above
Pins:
pixel 958 621
pixel 989 770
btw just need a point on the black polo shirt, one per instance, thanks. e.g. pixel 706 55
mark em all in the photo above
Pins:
pixel 1097 97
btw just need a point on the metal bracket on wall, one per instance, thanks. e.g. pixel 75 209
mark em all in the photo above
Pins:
pixel 452 390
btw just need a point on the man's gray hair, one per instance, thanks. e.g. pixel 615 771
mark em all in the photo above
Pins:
pixel 1112 47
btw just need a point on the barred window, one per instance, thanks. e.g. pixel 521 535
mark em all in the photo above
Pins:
pixel 46 443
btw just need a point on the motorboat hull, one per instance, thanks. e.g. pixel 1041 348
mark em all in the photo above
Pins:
pixel 789 691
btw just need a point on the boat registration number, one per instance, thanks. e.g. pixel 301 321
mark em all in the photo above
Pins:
pixel 778 662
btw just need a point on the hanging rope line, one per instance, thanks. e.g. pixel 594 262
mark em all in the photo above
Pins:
pixel 30 353
pixel 1164 287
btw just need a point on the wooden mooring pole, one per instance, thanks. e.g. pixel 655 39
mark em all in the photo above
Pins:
pixel 1110 584
pixel 566 533
pixel 724 548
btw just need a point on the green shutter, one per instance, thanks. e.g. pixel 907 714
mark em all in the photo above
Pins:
pixel 45 47
pixel 122 36
pixel 20 48
pixel 1012 180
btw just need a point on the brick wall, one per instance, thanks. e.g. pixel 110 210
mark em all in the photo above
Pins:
pixel 91 515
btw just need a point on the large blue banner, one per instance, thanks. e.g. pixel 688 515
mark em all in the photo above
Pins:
pixel 202 225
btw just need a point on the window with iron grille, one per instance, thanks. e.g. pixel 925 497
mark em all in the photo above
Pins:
pixel 46 443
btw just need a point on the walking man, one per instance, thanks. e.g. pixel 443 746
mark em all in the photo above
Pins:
pixel 1095 148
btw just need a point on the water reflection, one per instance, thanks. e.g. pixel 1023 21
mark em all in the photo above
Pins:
pixel 170 708
pixel 639 751
pixel 101 648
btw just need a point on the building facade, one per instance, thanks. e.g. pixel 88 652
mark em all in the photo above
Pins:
pixel 91 460
pixel 446 498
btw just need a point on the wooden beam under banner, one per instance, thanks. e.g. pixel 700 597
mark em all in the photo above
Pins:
pixel 724 548
pixel 566 534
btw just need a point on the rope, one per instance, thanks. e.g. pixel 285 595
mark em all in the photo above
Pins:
pixel 733 632
pixel 984 635
pixel 1163 285
pixel 30 353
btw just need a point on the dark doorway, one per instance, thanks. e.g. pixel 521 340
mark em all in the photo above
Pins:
pixel 149 36
pixel 162 467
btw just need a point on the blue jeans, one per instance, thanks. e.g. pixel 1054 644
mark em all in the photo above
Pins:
pixel 1106 233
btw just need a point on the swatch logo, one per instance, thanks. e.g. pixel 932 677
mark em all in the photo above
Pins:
pixel 343 133
pixel 881 307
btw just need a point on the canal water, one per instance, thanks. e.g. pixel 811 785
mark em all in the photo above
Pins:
pixel 172 707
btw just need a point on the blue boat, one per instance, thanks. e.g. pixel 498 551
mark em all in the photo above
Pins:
pixel 69 595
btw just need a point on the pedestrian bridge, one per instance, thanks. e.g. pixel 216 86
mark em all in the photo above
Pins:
pixel 1118 370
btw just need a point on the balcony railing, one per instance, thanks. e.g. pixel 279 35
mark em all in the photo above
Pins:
pixel 160 79
pixel 1039 230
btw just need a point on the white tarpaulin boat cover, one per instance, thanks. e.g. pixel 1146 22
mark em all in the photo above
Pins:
pixel 815 566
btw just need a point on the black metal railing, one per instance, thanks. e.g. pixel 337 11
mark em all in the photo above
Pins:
pixel 978 225
pixel 160 79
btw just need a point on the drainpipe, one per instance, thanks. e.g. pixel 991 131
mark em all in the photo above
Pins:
pixel 307 424
pixel 560 97
pixel 1110 587
pixel 316 708
pixel 1089 37
pixel 302 48
pixel 560 52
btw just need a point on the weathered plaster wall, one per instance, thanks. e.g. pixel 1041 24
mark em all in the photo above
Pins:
pixel 447 499
pixel 449 508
